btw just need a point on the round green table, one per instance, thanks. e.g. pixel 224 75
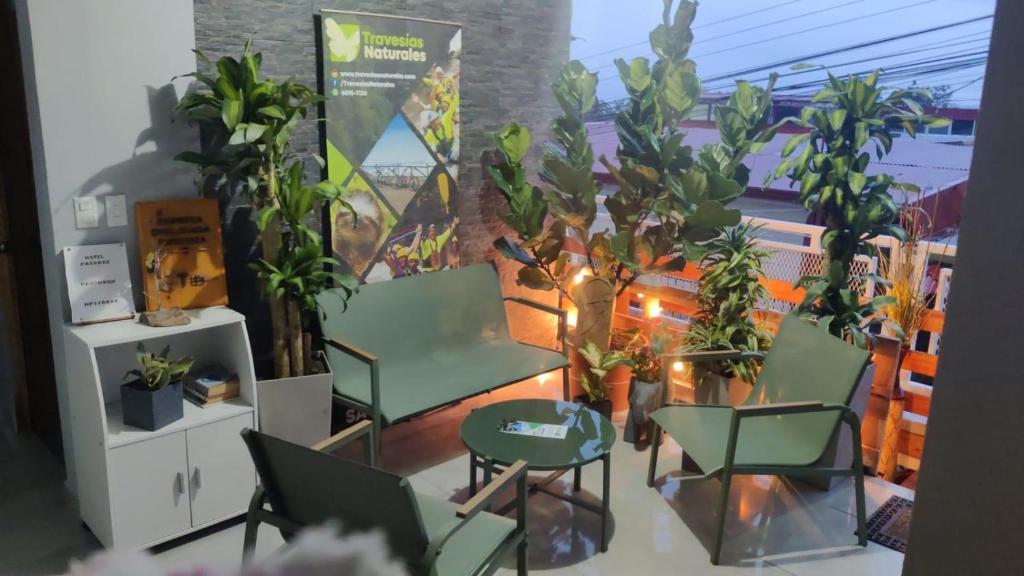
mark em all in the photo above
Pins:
pixel 589 438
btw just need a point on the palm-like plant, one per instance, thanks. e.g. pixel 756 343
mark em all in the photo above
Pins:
pixel 730 289
pixel 247 124
pixel 830 162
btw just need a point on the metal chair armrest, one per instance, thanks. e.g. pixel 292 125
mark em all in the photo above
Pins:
pixel 359 431
pixel 777 408
pixel 514 473
pixel 713 355
pixel 563 326
pixel 352 350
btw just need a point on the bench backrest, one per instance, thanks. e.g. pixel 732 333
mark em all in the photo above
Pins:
pixel 806 363
pixel 309 487
pixel 418 314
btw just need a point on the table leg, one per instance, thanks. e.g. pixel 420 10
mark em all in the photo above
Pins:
pixel 472 475
pixel 576 483
pixel 604 500
pixel 488 466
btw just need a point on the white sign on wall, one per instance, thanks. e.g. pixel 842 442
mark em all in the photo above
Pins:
pixel 99 285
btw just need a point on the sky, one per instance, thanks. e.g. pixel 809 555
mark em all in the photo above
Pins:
pixel 398 145
pixel 779 30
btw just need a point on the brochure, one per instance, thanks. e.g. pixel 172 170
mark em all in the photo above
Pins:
pixel 535 429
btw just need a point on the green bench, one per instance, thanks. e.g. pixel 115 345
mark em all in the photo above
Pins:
pixel 408 346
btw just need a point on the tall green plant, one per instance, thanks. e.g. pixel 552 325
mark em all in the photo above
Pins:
pixel 669 199
pixel 730 289
pixel 849 119
pixel 247 122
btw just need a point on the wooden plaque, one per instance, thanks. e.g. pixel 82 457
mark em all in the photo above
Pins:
pixel 181 252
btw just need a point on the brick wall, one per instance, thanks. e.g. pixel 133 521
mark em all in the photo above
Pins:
pixel 512 50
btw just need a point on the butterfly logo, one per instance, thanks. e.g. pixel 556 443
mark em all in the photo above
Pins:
pixel 343 40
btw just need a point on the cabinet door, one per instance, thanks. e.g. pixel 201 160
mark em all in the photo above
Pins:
pixel 221 474
pixel 149 491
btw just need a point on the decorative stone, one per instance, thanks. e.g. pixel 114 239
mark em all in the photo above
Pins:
pixel 165 317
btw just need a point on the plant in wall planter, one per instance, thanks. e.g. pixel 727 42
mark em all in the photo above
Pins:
pixel 669 199
pixel 247 125
pixel 730 289
pixel 599 364
pixel 154 398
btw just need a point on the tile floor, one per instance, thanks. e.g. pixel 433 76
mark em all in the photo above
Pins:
pixel 775 527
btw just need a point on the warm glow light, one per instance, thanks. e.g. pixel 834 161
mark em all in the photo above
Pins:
pixel 640 295
pixel 652 308
pixel 677 366
pixel 543 378
pixel 570 317
pixel 580 276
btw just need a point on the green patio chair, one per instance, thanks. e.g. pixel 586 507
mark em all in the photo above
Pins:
pixel 306 486
pixel 786 424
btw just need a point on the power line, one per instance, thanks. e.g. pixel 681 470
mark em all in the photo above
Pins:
pixel 708 25
pixel 736 47
pixel 848 48
pixel 877 57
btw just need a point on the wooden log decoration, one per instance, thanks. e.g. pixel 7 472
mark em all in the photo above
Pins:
pixel 595 301
pixel 889 455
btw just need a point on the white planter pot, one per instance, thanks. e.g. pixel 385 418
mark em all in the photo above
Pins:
pixel 297 409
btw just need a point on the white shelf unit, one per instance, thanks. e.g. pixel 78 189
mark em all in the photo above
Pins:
pixel 137 488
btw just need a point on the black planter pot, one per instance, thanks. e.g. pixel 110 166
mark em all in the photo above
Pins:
pixel 151 409
pixel 602 407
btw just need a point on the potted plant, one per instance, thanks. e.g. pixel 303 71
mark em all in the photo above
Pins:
pixel 670 198
pixel 905 269
pixel 248 122
pixel 730 289
pixel 830 161
pixel 298 408
pixel 599 364
pixel 644 393
pixel 154 398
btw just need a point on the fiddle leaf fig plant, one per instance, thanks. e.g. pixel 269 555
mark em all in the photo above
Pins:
pixel 730 290
pixel 851 118
pixel 669 199
pixel 158 370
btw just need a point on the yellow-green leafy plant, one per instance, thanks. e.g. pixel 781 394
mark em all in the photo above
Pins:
pixel 600 363
pixel 158 370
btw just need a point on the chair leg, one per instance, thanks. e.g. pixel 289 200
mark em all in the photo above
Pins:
pixel 375 440
pixel 862 531
pixel 521 558
pixel 577 483
pixel 472 475
pixel 565 384
pixel 655 443
pixel 252 526
pixel 723 508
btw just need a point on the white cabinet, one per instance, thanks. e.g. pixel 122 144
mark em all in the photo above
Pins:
pixel 149 497
pixel 137 488
pixel 221 476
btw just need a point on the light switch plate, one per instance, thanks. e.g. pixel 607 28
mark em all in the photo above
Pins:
pixel 117 210
pixel 87 212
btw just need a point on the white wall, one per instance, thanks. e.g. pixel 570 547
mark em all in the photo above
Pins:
pixel 967 514
pixel 100 98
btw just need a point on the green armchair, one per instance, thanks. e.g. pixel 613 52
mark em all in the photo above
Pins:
pixel 306 486
pixel 792 415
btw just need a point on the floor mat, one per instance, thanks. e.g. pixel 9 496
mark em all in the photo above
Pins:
pixel 890 524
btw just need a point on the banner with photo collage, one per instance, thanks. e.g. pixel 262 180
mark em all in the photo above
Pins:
pixel 392 127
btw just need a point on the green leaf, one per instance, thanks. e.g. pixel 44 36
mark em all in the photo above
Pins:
pixel 231 113
pixel 272 111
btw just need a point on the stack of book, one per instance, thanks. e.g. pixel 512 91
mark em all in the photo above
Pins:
pixel 211 386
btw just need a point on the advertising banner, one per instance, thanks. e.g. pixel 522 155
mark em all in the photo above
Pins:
pixel 392 126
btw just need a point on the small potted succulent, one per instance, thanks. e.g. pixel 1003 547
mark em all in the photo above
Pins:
pixel 599 364
pixel 154 399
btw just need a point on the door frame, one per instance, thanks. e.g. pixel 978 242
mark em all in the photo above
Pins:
pixel 36 395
